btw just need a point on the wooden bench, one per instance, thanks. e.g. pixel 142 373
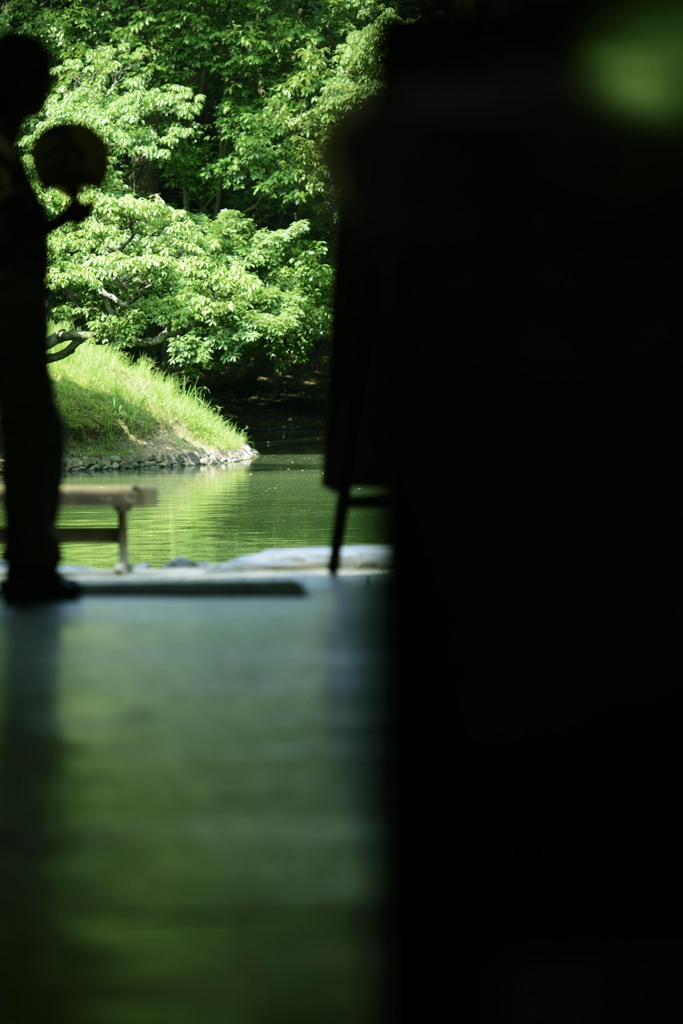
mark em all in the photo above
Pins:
pixel 120 497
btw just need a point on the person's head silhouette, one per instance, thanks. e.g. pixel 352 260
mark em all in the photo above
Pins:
pixel 24 79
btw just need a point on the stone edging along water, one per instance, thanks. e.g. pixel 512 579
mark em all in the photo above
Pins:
pixel 158 460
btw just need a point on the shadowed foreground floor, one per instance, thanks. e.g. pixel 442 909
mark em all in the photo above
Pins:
pixel 191 828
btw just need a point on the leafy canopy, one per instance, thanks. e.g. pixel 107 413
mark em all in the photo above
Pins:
pixel 212 234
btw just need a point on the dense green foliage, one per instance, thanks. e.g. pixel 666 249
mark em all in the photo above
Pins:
pixel 211 239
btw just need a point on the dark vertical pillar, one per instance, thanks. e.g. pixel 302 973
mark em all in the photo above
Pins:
pixel 537 425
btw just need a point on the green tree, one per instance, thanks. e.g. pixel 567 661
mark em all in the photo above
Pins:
pixel 211 291
pixel 211 236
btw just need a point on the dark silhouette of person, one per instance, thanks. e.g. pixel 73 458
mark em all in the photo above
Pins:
pixel 30 420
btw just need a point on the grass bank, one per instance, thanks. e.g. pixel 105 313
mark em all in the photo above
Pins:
pixel 114 406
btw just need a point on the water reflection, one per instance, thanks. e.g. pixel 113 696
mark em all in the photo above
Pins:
pixel 35 950
pixel 215 514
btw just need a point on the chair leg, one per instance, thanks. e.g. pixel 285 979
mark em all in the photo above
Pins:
pixel 123 565
pixel 342 505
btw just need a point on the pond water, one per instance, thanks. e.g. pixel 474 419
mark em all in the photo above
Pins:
pixel 214 514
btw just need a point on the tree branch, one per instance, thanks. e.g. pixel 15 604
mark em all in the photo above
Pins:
pixel 112 302
pixel 157 339
pixel 75 338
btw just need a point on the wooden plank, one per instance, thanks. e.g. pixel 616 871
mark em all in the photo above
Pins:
pixel 76 534
pixel 114 496
pixel 119 497
pixel 81 533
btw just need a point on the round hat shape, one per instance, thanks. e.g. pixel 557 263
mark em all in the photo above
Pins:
pixel 70 156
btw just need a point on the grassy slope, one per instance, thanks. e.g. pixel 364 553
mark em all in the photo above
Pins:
pixel 111 405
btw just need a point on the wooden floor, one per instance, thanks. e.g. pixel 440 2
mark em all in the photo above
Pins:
pixel 192 827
